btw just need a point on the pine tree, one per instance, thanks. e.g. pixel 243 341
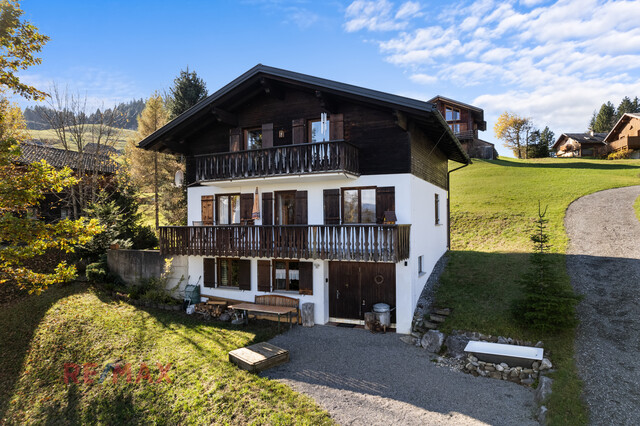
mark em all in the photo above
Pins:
pixel 153 172
pixel 605 119
pixel 188 89
pixel 627 105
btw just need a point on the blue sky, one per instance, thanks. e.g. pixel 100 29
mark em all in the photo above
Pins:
pixel 555 62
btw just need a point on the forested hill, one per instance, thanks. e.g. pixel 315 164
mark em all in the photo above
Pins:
pixel 126 117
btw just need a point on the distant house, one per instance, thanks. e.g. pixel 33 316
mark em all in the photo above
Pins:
pixel 579 144
pixel 465 121
pixel 55 206
pixel 625 135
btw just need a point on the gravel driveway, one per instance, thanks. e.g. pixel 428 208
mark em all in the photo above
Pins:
pixel 604 266
pixel 362 378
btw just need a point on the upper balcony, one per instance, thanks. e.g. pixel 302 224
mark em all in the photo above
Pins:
pixel 465 135
pixel 286 160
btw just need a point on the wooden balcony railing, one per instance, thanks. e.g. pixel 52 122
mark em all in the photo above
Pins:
pixel 629 142
pixel 317 157
pixel 377 243
pixel 465 135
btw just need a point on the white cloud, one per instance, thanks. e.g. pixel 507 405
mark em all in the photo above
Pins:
pixel 409 9
pixel 554 62
pixel 377 15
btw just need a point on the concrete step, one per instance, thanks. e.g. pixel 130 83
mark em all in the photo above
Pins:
pixel 442 311
pixel 437 318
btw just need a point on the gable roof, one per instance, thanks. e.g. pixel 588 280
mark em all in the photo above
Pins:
pixel 478 113
pixel 424 113
pixel 581 138
pixel 626 117
pixel 32 152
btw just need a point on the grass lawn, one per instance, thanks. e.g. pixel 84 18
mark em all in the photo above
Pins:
pixel 636 206
pixel 493 206
pixel 73 324
pixel 121 136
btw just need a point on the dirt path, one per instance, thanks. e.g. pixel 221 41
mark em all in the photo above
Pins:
pixel 362 378
pixel 604 266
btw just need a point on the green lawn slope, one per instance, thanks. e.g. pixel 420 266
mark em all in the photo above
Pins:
pixel 493 206
pixel 73 324
pixel 50 135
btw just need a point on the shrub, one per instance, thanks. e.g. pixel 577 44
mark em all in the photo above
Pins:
pixel 97 272
pixel 144 238
pixel 547 305
pixel 621 154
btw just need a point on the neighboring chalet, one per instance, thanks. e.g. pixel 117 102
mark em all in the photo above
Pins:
pixel 579 144
pixel 56 206
pixel 625 135
pixel 318 190
pixel 465 121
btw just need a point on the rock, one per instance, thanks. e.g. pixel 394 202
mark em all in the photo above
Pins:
pixel 502 340
pixel 416 334
pixel 432 341
pixel 544 389
pixel 473 359
pixel 542 415
pixel 499 368
pixel 409 340
pixel 490 368
pixel 528 381
pixel 482 363
pixel 469 367
pixel 493 339
pixel 514 373
pixel 535 365
pixel 539 345
pixel 495 375
pixel 527 371
pixel 225 317
pixel 455 346
pixel 545 364
pixel 510 340
pixel 474 373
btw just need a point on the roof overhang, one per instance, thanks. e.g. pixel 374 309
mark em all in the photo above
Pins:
pixel 259 78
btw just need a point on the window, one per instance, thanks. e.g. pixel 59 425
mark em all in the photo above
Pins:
pixel 286 208
pixel 228 273
pixel 286 275
pixel 451 114
pixel 317 133
pixel 359 205
pixel 455 128
pixel 253 138
pixel 420 265
pixel 437 206
pixel 228 207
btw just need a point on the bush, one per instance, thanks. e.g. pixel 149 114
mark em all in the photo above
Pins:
pixel 97 272
pixel 144 238
pixel 622 154
pixel 547 305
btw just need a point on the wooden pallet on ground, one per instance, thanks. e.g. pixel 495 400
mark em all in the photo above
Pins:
pixel 259 357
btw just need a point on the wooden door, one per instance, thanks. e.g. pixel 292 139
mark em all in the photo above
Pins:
pixel 354 287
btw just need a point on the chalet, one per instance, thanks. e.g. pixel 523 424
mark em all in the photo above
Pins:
pixel 579 144
pixel 625 135
pixel 318 190
pixel 466 121
pixel 56 206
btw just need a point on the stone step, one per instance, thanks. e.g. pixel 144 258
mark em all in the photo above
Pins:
pixel 437 318
pixel 442 311
pixel 430 325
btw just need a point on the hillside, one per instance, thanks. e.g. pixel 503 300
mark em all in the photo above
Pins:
pixel 493 206
pixel 50 135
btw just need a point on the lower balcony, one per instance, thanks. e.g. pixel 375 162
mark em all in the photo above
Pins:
pixel 368 243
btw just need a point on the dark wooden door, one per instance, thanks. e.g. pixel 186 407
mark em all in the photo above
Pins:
pixel 354 287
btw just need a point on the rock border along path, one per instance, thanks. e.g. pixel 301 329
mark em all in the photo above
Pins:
pixel 604 265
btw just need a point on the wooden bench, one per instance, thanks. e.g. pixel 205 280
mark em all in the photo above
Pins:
pixel 271 304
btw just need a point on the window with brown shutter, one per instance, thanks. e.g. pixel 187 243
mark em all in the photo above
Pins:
pixel 331 201
pixel 264 275
pixel 385 201
pixel 301 208
pixel 207 209
pixel 244 274
pixel 267 208
pixel 246 207
pixel 267 135
pixel 209 272
pixel 336 131
pixel 298 131
pixel 235 139
pixel 306 277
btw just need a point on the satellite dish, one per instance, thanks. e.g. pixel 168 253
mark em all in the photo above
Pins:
pixel 179 178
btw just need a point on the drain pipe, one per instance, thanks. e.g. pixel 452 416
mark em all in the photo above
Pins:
pixel 449 202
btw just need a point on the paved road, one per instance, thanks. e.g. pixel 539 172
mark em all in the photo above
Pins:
pixel 604 266
pixel 362 378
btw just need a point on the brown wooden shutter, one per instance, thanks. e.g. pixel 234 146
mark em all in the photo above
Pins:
pixel 336 127
pixel 301 208
pixel 267 135
pixel 264 275
pixel 209 272
pixel 331 206
pixel 385 201
pixel 207 209
pixel 267 208
pixel 235 139
pixel 298 131
pixel 244 274
pixel 246 207
pixel 306 277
